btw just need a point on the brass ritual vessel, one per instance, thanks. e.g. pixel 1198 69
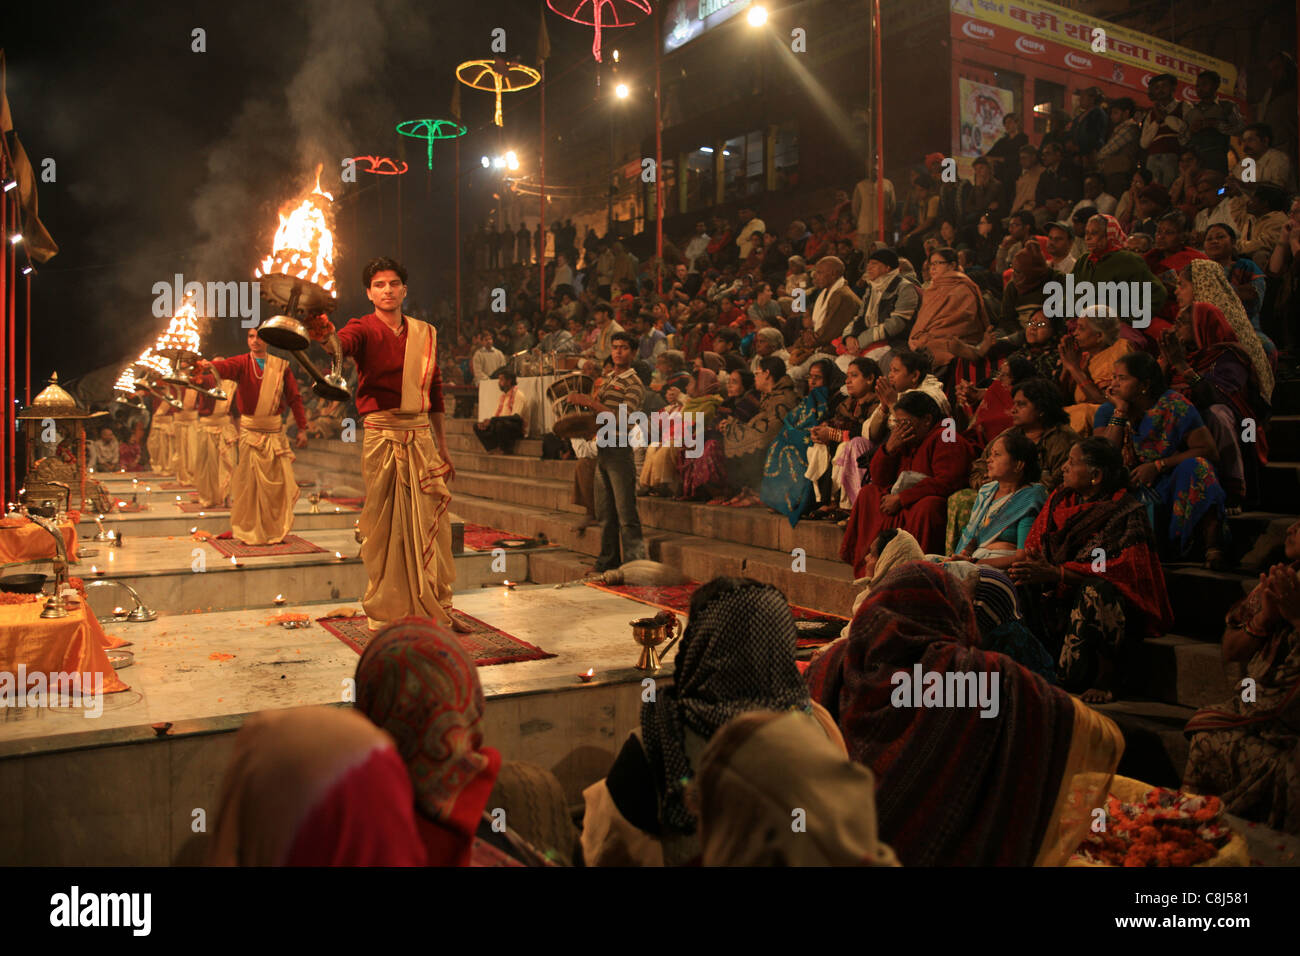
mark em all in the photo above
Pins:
pixel 649 633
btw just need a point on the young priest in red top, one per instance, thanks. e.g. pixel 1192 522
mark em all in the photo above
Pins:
pixel 404 524
pixel 263 487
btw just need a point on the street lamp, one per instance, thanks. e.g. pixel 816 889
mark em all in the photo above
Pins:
pixel 621 91
pixel 757 16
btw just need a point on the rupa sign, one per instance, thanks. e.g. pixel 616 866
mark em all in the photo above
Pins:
pixel 1043 32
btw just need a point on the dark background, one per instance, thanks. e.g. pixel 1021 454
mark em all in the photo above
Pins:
pixel 173 161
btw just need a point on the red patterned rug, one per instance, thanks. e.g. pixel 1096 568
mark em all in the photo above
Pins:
pixel 292 544
pixel 486 644
pixel 480 537
pixel 127 507
pixel 193 507
pixel 677 597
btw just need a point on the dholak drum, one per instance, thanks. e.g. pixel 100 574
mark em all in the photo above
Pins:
pixel 559 391
pixel 576 425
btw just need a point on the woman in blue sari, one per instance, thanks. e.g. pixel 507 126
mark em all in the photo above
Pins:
pixel 786 487
pixel 1005 506
pixel 1170 453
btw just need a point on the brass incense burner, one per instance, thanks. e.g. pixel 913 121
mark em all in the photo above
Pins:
pixel 299 298
pixel 650 632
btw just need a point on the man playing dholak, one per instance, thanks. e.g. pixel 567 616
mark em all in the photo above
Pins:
pixel 162 431
pixel 218 441
pixel 404 523
pixel 261 507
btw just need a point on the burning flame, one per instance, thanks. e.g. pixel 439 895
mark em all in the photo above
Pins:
pixel 182 333
pixel 149 361
pixel 304 245
pixel 125 382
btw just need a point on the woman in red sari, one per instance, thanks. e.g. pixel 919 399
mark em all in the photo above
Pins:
pixel 1092 575
pixel 912 475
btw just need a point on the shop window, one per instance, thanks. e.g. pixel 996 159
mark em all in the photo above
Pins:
pixel 699 178
pixel 742 164
pixel 785 157
pixel 1049 98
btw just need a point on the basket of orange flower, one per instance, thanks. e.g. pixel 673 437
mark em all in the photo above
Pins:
pixel 1156 826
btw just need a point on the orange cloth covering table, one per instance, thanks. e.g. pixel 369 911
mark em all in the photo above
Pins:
pixel 62 645
pixel 23 541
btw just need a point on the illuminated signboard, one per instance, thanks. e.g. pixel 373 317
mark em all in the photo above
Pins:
pixel 684 20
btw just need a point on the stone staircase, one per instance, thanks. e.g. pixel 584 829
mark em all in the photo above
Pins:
pixel 523 494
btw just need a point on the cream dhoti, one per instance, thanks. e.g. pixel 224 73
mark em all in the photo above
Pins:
pixel 187 442
pixel 404 524
pixel 217 455
pixel 261 511
pixel 161 440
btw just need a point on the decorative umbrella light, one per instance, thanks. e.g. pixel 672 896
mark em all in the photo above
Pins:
pixel 430 130
pixel 497 76
pixel 380 165
pixel 601 15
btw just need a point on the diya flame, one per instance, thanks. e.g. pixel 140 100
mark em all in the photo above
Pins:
pixel 304 245
pixel 183 331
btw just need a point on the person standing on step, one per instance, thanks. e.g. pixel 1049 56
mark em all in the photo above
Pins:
pixel 216 457
pixel 405 526
pixel 263 486
pixel 619 395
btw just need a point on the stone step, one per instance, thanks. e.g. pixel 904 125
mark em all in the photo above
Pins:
pixel 546 493
pixel 165 519
pixel 1280 486
pixel 1284 437
pixel 1185 671
pixel 460 442
pixel 1155 749
pixel 516 466
pixel 1200 599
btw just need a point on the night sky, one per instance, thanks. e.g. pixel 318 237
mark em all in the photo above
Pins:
pixel 174 161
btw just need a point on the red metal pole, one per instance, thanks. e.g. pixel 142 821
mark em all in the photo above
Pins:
pixel 659 165
pixel 541 223
pixel 11 392
pixel 7 449
pixel 460 253
pixel 27 346
pixel 880 125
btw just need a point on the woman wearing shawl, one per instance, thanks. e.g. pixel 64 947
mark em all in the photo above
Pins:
pixel 1103 610
pixel 762 763
pixel 1205 362
pixel 745 444
pixel 1168 257
pixel 955 785
pixel 315 786
pixel 1023 297
pixel 912 475
pixel 1170 452
pixel 1088 357
pixel 416 682
pixel 832 438
pixel 1211 286
pixel 707 474
pixel 736 656
pixel 1108 261
pixel 1244 276
pixel 1246 751
pixel 1005 507
pixel 786 488
pixel 952 308
pixel 699 406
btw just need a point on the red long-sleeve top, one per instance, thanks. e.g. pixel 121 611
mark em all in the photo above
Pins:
pixel 206 403
pixel 243 371
pixel 947 464
pixel 381 356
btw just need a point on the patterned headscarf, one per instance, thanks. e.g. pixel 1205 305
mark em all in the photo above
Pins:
pixel 737 655
pixel 416 682
pixel 1210 284
pixel 1115 239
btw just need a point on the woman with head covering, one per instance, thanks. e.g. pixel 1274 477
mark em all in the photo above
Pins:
pixel 416 682
pixel 1103 609
pixel 893 547
pixel 315 786
pixel 1210 285
pixel 1207 364
pixel 763 763
pixel 697 405
pixel 712 361
pixel 704 476
pixel 952 310
pixel 960 781
pixel 1108 261
pixel 786 488
pixel 736 656
pixel 1244 276
pixel 1171 455
pixel 1245 751
pixel 912 474
pixel 1023 295
pixel 1088 357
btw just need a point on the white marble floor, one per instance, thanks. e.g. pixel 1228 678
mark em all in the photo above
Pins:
pixel 195 666
pixel 167 507
pixel 146 555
